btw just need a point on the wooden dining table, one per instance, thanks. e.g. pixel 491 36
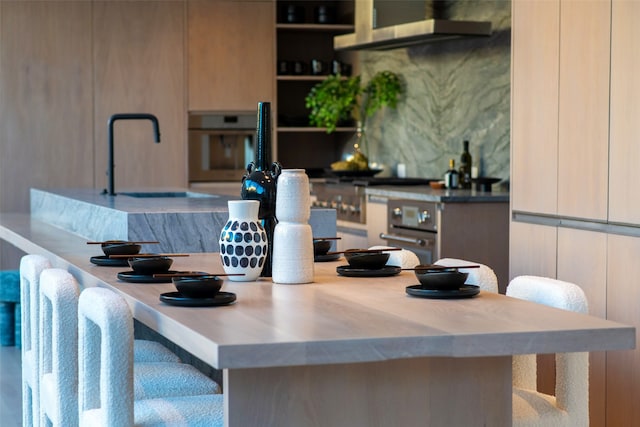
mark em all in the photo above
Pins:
pixel 342 351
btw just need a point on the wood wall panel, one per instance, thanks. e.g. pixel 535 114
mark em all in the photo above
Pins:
pixel 231 54
pixel 534 112
pixel 532 250
pixel 584 109
pixel 45 99
pixel 139 68
pixel 582 259
pixel 624 149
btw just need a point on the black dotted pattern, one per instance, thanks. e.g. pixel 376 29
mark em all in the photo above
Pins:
pixel 243 244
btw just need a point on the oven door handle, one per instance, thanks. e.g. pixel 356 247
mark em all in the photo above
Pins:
pixel 418 242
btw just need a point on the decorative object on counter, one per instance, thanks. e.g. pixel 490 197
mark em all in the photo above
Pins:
pixel 484 183
pixel 243 241
pixel 337 99
pixel 451 176
pixel 259 183
pixel 293 239
pixel 466 163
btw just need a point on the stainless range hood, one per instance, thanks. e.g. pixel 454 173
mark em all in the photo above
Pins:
pixel 404 34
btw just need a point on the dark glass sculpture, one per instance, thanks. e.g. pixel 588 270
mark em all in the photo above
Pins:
pixel 259 182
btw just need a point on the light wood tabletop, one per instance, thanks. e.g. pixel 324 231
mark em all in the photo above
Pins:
pixel 341 350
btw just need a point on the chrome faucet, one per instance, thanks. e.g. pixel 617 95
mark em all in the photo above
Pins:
pixel 126 116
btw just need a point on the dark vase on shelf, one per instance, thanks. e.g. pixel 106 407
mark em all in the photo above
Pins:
pixel 259 182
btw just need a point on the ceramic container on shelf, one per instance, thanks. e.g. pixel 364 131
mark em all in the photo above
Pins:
pixel 293 238
pixel 243 241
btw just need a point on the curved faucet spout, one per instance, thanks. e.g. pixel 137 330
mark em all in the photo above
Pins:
pixel 125 116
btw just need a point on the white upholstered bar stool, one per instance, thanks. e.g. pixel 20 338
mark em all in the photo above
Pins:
pixel 484 276
pixel 570 405
pixel 106 373
pixel 30 268
pixel 59 292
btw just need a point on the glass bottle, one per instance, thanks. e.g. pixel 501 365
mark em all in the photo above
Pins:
pixel 451 176
pixel 465 166
pixel 259 183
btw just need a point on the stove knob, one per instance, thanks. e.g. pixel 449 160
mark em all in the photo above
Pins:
pixel 423 217
pixel 397 213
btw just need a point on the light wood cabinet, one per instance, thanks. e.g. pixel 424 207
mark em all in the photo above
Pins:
pixel 532 249
pixel 46 117
pixel 624 149
pixel 583 109
pixel 623 367
pixel 231 54
pixel 534 113
pixel 139 68
pixel 582 258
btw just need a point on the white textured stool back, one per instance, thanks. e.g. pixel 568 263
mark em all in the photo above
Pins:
pixel 59 293
pixel 30 268
pixel 403 258
pixel 484 276
pixel 107 374
pixel 570 405
pixel 105 348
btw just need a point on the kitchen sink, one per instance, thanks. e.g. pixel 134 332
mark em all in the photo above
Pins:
pixel 165 194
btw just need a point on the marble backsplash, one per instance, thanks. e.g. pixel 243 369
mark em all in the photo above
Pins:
pixel 455 90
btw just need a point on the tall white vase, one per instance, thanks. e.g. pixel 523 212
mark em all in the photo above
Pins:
pixel 243 241
pixel 292 237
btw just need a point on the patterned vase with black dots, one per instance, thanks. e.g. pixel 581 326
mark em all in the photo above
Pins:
pixel 243 241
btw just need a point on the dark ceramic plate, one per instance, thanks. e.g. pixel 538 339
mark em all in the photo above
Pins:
pixel 465 291
pixel 176 298
pixel 388 270
pixel 326 258
pixel 134 277
pixel 354 174
pixel 105 261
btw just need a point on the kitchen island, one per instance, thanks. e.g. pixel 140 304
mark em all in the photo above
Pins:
pixel 342 351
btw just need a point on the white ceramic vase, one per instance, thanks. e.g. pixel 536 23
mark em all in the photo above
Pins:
pixel 243 241
pixel 292 237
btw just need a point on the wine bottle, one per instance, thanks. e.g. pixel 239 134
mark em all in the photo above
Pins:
pixel 451 176
pixel 465 166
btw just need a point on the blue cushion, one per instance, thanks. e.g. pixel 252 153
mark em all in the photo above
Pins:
pixel 10 285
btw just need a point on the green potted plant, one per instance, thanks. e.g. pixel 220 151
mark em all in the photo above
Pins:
pixel 337 99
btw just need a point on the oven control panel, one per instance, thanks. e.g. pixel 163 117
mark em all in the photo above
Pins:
pixel 411 214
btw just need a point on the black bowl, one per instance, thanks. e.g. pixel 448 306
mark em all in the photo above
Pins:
pixel 198 287
pixel 440 278
pixel 120 247
pixel 321 247
pixel 150 265
pixel 366 260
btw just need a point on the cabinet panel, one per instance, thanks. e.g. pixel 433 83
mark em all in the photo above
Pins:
pixel 624 149
pixel 623 367
pixel 139 67
pixel 534 112
pixel 46 104
pixel 584 109
pixel 532 250
pixel 231 57
pixel 582 259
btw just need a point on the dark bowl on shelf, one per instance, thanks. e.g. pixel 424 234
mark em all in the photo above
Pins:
pixel 321 247
pixel 151 265
pixel 440 278
pixel 120 247
pixel 198 287
pixel 484 183
pixel 366 260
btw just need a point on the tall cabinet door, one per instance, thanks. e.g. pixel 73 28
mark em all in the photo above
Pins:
pixel 624 148
pixel 582 259
pixel 139 68
pixel 534 99
pixel 231 54
pixel 583 131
